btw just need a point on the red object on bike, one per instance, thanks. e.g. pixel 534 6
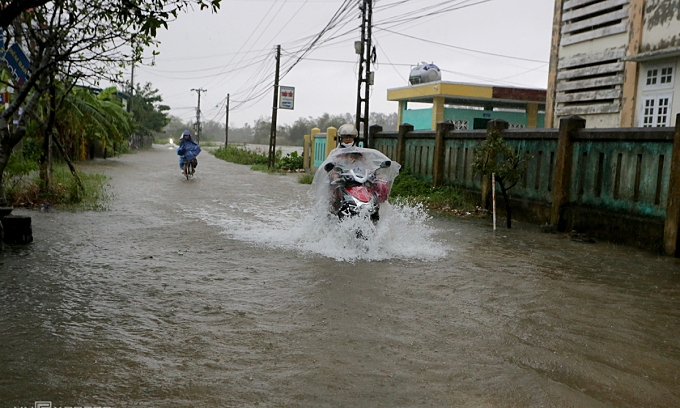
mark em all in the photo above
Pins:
pixel 360 193
pixel 382 189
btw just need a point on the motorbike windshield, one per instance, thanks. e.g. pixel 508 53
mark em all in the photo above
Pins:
pixel 354 166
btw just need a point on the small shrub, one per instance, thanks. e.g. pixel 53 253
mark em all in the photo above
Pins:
pixel 292 161
pixel 306 178
pixel 407 187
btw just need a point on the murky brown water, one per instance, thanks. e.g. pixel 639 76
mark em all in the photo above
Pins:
pixel 164 301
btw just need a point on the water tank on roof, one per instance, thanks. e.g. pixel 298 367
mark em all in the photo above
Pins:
pixel 423 73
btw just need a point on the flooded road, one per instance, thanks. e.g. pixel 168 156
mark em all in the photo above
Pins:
pixel 226 291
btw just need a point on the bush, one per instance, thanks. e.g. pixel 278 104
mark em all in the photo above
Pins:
pixel 407 186
pixel 292 161
pixel 240 155
pixel 306 178
pixel 22 184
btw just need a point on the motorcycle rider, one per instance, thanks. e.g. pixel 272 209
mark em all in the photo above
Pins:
pixel 347 153
pixel 188 149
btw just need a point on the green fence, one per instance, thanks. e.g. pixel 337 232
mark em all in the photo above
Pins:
pixel 609 173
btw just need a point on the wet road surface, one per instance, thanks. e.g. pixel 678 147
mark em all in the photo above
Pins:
pixel 222 292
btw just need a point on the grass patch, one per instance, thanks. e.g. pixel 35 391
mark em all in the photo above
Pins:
pixel 258 160
pixel 64 193
pixel 240 155
pixel 445 199
pixel 306 178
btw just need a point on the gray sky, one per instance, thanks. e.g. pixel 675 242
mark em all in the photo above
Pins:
pixel 233 52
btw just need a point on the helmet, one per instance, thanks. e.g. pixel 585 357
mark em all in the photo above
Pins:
pixel 347 130
pixel 186 133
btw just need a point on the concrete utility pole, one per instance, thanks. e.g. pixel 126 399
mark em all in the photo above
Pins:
pixel 132 88
pixel 198 114
pixel 275 107
pixel 226 125
pixel 366 53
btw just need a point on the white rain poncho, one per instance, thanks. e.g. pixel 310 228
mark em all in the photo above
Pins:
pixel 353 158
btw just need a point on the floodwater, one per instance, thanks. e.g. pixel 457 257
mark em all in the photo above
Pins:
pixel 228 291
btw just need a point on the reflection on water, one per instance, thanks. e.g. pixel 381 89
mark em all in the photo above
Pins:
pixel 220 292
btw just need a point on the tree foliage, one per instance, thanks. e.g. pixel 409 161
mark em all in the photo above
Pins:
pixel 149 114
pixel 77 41
pixel 495 156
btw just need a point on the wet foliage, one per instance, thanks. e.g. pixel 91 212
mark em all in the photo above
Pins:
pixel 259 159
pixel 22 185
pixel 407 187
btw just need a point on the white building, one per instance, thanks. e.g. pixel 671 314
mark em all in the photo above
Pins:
pixel 615 62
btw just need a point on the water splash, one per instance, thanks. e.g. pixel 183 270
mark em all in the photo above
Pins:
pixel 402 232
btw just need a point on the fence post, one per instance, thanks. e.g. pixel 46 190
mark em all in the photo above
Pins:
pixel 569 127
pixel 440 152
pixel 373 130
pixel 401 143
pixel 331 134
pixel 306 152
pixel 493 125
pixel 312 153
pixel 670 231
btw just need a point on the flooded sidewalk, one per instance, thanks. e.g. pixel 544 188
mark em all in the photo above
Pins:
pixel 226 291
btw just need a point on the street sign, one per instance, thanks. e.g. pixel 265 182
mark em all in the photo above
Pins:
pixel 17 62
pixel 286 97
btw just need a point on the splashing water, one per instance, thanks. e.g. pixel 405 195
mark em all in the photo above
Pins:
pixel 401 233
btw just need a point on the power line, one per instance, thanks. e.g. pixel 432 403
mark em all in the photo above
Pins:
pixel 461 48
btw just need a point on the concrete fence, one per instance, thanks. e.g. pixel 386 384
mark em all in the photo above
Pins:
pixel 616 184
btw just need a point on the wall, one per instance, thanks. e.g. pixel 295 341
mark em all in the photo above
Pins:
pixel 662 19
pixel 421 119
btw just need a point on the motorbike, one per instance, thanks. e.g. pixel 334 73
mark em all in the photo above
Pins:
pixel 358 191
pixel 354 182
pixel 188 167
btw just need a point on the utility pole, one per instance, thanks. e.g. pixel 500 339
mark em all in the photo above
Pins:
pixel 226 125
pixel 275 107
pixel 365 51
pixel 132 88
pixel 198 114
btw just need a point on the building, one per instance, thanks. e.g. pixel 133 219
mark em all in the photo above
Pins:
pixel 615 62
pixel 468 106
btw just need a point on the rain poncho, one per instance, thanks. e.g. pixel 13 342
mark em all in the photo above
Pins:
pixel 188 150
pixel 349 158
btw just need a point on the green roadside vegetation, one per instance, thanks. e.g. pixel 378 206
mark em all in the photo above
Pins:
pixel 25 188
pixel 445 200
pixel 258 160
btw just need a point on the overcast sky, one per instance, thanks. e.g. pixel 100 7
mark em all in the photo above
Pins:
pixel 233 50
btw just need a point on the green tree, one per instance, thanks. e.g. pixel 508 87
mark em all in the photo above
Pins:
pixel 76 41
pixel 495 156
pixel 149 114
pixel 261 130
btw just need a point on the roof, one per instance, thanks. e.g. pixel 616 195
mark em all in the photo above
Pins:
pixel 456 93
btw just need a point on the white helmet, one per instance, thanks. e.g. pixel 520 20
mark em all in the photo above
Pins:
pixel 345 130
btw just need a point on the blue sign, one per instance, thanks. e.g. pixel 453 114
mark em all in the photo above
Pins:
pixel 17 62
pixel 486 115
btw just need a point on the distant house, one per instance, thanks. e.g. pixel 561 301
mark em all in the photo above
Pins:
pixel 615 62
pixel 468 106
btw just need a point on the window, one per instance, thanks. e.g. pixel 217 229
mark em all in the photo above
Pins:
pixel 652 75
pixel 659 77
pixel 656 111
pixel 666 75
